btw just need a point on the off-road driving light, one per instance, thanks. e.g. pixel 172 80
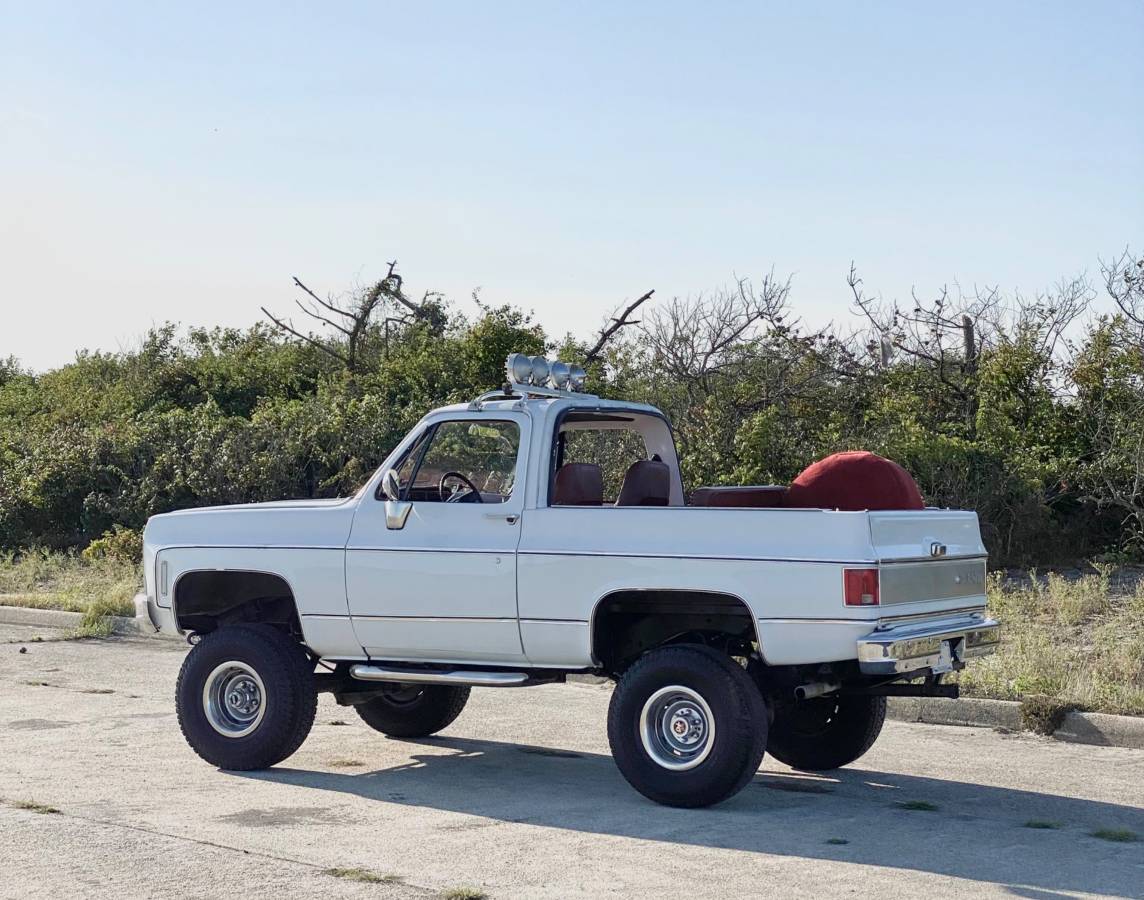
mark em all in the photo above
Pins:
pixel 539 371
pixel 518 368
pixel 558 375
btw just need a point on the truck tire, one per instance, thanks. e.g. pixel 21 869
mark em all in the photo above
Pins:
pixel 687 726
pixel 246 697
pixel 414 710
pixel 826 732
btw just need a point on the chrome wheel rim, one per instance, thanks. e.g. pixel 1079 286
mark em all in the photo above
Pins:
pixel 677 728
pixel 234 699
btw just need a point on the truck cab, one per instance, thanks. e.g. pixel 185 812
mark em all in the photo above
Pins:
pixel 538 532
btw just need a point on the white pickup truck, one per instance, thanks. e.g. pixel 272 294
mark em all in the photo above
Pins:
pixel 539 532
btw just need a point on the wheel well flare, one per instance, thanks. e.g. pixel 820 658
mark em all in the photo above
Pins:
pixel 206 600
pixel 628 623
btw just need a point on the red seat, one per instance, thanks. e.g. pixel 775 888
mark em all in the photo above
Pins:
pixel 646 483
pixel 578 484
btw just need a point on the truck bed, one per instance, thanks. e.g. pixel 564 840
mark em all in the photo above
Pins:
pixel 785 564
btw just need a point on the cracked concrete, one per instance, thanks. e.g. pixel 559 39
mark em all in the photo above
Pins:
pixel 520 797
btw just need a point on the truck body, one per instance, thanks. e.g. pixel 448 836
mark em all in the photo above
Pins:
pixel 534 533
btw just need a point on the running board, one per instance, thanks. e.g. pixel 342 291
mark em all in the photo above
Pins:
pixel 453 676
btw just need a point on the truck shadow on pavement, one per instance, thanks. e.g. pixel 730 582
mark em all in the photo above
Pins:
pixel 855 815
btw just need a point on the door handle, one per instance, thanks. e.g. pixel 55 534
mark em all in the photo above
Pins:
pixel 504 517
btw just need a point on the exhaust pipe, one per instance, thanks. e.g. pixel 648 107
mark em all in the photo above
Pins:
pixel 815 689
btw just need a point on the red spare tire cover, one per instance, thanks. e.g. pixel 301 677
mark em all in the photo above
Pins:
pixel 854 480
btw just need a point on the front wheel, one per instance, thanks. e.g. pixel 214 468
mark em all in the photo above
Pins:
pixel 687 726
pixel 826 732
pixel 246 697
pixel 413 710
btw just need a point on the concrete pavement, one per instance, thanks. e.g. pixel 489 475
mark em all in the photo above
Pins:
pixel 520 797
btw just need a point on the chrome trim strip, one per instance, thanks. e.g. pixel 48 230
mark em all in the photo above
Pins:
pixel 364 672
pixel 553 621
pixel 249 547
pixel 933 613
pixel 812 621
pixel 891 560
pixel 501 552
pixel 885 621
pixel 490 551
pixel 794 559
pixel 362 618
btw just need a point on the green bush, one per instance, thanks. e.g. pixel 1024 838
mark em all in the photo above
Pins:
pixel 122 544
pixel 1044 443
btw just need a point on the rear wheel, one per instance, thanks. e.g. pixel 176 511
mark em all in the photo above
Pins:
pixel 413 710
pixel 246 697
pixel 687 726
pixel 826 732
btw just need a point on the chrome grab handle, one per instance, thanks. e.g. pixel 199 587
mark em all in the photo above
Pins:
pixel 504 517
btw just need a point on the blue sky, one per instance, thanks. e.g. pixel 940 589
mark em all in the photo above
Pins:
pixel 181 162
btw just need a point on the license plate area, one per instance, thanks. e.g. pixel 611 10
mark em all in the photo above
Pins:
pixel 937 654
pixel 947 657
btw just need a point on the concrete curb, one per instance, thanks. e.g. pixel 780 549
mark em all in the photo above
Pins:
pixel 1078 727
pixel 967 711
pixel 57 618
pixel 1103 729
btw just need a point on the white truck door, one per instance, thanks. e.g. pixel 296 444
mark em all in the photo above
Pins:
pixel 442 587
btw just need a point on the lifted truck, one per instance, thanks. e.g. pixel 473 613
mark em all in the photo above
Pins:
pixel 538 532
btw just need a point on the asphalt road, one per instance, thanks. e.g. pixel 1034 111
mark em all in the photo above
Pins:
pixel 519 798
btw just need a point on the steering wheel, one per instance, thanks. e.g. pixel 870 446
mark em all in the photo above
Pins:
pixel 457 497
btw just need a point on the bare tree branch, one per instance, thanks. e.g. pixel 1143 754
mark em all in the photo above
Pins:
pixel 320 318
pixel 1124 281
pixel 290 329
pixel 353 317
pixel 617 322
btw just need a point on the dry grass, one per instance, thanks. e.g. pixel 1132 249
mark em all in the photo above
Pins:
pixel 34 806
pixel 1078 642
pixel 918 806
pixel 355 873
pixel 464 893
pixel 1117 835
pixel 67 581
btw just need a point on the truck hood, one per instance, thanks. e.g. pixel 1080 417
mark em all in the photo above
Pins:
pixel 283 523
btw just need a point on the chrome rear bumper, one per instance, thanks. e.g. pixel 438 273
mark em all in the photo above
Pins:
pixel 940 645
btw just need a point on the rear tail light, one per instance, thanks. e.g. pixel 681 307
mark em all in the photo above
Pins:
pixel 860 587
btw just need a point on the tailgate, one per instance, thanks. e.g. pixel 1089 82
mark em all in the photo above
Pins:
pixel 929 555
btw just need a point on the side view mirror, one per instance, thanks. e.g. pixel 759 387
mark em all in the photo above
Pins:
pixel 391 484
pixel 396 509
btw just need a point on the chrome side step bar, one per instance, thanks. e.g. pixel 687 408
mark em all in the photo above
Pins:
pixel 364 672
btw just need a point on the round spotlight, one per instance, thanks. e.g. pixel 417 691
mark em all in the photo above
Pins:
pixel 558 375
pixel 576 377
pixel 518 368
pixel 539 370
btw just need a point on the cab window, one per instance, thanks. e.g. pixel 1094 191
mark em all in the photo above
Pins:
pixel 463 461
pixel 613 450
pixel 612 459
